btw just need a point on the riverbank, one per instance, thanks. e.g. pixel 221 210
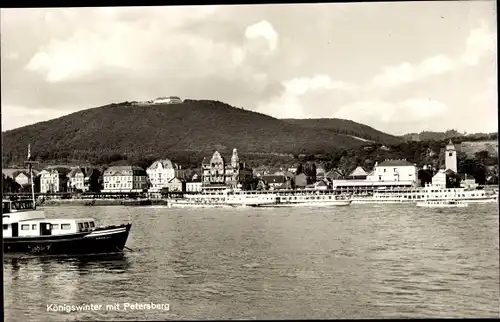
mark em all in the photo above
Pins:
pixel 103 202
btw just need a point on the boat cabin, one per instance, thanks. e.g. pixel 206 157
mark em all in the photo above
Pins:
pixel 18 220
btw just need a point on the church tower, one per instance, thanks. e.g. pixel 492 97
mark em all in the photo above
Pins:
pixel 451 157
pixel 235 161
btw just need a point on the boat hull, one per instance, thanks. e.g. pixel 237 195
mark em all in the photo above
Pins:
pixel 105 240
pixel 336 203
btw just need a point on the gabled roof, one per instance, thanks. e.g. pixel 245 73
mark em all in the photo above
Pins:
pixel 166 164
pixel 358 172
pixel 175 180
pixel 395 163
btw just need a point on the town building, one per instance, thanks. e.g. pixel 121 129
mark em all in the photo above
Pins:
pixel 395 170
pixel 54 180
pixel 83 179
pixel 125 179
pixel 467 181
pixel 161 172
pixel 274 181
pixel 21 176
pixel 358 174
pixel 216 171
pixel 176 184
pixel 194 185
pixel 167 100
pixel 451 157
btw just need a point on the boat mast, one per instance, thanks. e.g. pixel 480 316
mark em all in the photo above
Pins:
pixel 30 169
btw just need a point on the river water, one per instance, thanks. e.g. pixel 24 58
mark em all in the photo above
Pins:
pixel 362 261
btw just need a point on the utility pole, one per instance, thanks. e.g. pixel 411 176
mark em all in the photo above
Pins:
pixel 30 169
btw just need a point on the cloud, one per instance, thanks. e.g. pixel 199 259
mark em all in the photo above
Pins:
pixel 481 41
pixel 377 113
pixel 263 29
pixel 300 96
pixel 406 72
pixel 146 48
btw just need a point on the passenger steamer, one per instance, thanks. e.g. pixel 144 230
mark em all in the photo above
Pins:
pixel 429 192
pixel 28 230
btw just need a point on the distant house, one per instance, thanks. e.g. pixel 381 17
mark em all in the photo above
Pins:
pixel 358 174
pixel 395 170
pixel 194 185
pixel 125 179
pixel 76 179
pixel 54 180
pixel 333 175
pixel 467 181
pixel 439 179
pixel 176 184
pixel 83 179
pixel 167 100
pixel 161 172
pixel 301 180
pixel 274 181
pixel 21 176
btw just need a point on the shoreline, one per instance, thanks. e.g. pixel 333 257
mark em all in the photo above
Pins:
pixel 102 202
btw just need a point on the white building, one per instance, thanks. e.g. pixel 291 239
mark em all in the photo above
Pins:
pixel 439 179
pixel 76 179
pixel 125 179
pixel 451 157
pixel 395 170
pixel 54 180
pixel 161 172
pixel 194 186
pixel 167 100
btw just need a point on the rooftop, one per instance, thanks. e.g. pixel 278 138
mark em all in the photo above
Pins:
pixel 395 163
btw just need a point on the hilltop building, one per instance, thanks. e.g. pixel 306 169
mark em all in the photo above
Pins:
pixel 167 100
pixel 216 171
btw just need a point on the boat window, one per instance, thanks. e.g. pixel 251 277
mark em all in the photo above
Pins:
pixel 80 225
pixel 5 226
pixel 66 226
pixel 92 224
pixel 33 227
pixel 55 226
pixel 86 224
pixel 25 227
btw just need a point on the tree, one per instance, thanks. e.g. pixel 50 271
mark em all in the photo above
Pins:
pixel 425 176
pixel 452 180
pixel 300 169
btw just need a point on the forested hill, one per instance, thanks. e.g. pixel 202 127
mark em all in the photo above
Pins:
pixel 347 127
pixel 182 132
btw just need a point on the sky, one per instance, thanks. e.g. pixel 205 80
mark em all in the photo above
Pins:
pixel 399 67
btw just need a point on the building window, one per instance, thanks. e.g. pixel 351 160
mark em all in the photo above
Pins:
pixel 25 227
pixel 65 226
pixel 5 226
pixel 33 227
pixel 450 154
pixel 55 226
